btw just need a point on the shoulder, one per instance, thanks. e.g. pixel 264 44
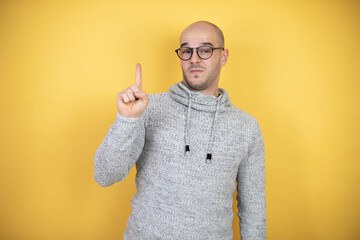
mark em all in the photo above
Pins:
pixel 158 99
pixel 157 103
pixel 158 96
pixel 246 125
pixel 243 118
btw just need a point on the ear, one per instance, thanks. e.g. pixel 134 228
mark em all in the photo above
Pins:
pixel 224 57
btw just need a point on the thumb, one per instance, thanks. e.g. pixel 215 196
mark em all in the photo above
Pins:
pixel 140 95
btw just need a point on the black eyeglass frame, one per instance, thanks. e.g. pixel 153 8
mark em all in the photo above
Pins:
pixel 197 52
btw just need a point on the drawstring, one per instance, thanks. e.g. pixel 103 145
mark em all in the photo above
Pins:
pixel 211 140
pixel 187 127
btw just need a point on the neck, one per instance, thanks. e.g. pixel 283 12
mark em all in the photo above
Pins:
pixel 209 91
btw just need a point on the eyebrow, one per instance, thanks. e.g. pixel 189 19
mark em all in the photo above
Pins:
pixel 202 44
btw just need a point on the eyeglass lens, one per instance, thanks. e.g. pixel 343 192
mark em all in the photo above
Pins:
pixel 203 52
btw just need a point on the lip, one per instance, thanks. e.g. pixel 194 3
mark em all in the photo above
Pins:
pixel 196 71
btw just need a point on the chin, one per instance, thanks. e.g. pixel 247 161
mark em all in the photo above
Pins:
pixel 196 84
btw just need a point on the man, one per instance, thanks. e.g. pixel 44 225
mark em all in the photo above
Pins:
pixel 190 146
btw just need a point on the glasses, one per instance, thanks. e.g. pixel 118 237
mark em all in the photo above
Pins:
pixel 204 52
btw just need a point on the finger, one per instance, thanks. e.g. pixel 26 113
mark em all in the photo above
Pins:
pixel 138 76
pixel 140 94
pixel 130 94
pixel 124 97
pixel 134 88
pixel 120 96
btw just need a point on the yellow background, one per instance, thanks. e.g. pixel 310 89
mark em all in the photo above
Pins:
pixel 294 65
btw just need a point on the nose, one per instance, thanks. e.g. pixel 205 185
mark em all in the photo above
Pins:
pixel 195 58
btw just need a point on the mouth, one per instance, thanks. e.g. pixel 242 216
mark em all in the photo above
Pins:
pixel 195 71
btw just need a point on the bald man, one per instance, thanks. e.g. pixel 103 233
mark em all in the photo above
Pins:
pixel 190 146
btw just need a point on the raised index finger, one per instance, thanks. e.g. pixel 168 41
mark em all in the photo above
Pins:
pixel 138 77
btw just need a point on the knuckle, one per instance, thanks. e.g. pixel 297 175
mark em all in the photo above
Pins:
pixel 134 88
pixel 120 95
pixel 130 96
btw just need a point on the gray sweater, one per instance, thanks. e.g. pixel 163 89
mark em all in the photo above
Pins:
pixel 189 149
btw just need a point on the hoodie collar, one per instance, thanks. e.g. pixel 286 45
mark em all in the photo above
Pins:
pixel 199 101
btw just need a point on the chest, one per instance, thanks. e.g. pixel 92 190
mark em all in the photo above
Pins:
pixel 169 130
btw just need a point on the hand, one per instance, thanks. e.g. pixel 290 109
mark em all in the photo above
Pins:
pixel 133 101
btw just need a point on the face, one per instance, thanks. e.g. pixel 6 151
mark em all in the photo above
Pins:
pixel 198 74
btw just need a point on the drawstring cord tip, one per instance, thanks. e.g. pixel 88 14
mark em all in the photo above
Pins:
pixel 208 158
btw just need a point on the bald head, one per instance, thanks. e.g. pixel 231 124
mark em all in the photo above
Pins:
pixel 202 74
pixel 202 27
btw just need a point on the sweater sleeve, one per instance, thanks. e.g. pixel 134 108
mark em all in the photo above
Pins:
pixel 120 149
pixel 251 191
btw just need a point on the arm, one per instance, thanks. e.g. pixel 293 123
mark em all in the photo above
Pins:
pixel 120 150
pixel 125 140
pixel 251 191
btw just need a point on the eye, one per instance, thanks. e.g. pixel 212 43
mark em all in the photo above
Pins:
pixel 205 50
pixel 185 50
